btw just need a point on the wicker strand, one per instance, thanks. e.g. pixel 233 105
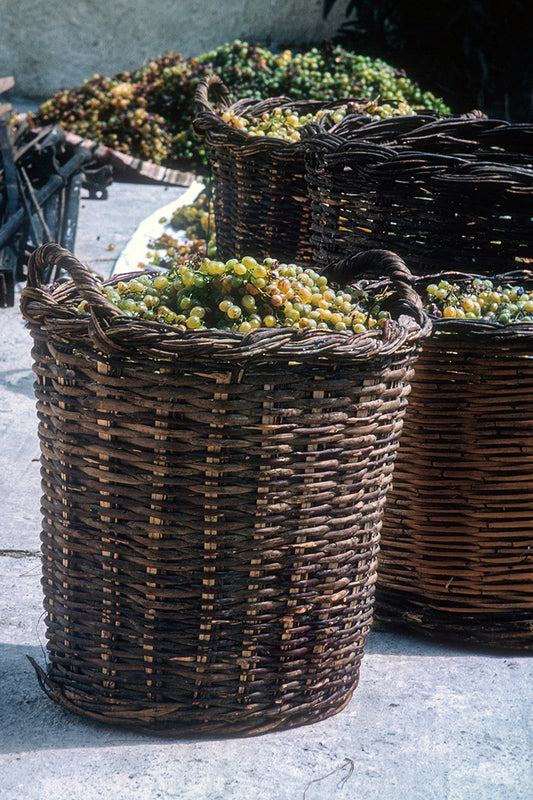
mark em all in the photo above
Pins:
pixel 454 193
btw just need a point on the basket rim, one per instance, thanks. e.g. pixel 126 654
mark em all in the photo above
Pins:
pixel 208 123
pixel 52 310
pixel 219 133
pixel 419 167
pixel 473 128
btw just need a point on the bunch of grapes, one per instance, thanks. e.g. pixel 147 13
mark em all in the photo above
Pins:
pixel 198 222
pixel 196 219
pixel 287 124
pixel 166 251
pixel 113 111
pixel 242 295
pixel 333 72
pixel 148 112
pixel 480 299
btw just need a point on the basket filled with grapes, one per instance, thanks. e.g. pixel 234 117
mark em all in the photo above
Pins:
pixel 256 154
pixel 457 550
pixel 217 442
pixel 455 191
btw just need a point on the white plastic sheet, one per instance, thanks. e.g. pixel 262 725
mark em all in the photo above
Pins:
pixel 151 228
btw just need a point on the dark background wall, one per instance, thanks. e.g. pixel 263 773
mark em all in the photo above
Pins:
pixel 474 53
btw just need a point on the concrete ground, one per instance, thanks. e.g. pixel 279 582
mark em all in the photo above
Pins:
pixel 428 721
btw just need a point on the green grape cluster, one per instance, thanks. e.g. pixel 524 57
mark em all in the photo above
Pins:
pixel 196 219
pixel 242 295
pixel 332 72
pixel 148 112
pixel 480 299
pixel 287 124
pixel 113 111
pixel 198 222
pixel 166 251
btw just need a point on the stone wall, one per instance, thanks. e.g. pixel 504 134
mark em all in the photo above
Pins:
pixel 51 45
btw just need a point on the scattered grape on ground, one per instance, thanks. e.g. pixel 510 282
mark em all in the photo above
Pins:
pixel 198 223
pixel 196 219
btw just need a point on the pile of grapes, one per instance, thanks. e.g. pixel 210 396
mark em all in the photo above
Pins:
pixel 147 113
pixel 241 295
pixel 198 222
pixel 166 250
pixel 287 125
pixel 196 219
pixel 480 299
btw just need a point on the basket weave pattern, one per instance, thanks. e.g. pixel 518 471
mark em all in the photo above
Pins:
pixel 211 511
pixel 457 548
pixel 261 203
pixel 448 194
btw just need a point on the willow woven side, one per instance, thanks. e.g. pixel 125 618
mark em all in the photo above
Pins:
pixel 261 201
pixel 450 194
pixel 261 206
pixel 456 554
pixel 212 504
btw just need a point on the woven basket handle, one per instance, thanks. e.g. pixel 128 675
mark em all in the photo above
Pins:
pixel 381 264
pixel 50 254
pixel 214 85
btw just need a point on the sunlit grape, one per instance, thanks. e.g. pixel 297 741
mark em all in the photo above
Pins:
pixel 476 299
pixel 147 112
pixel 206 293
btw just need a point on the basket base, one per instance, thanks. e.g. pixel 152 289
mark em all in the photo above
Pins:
pixel 167 720
pixel 505 631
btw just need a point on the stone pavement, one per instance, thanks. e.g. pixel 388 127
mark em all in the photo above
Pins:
pixel 428 721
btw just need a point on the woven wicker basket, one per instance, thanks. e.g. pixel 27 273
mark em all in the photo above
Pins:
pixel 261 203
pixel 457 542
pixel 450 194
pixel 212 507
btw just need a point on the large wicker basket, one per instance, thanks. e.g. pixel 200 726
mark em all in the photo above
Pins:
pixel 450 194
pixel 261 203
pixel 262 207
pixel 457 542
pixel 212 507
